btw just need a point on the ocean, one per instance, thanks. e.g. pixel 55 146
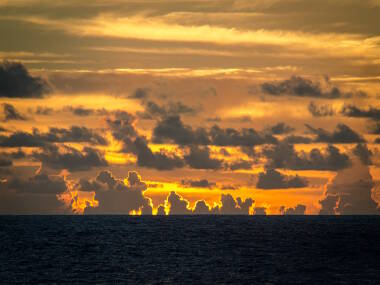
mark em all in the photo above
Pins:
pixel 190 250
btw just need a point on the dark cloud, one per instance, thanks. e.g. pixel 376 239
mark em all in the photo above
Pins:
pixel 202 183
pixel 239 164
pixel 342 134
pixel 116 197
pixel 122 128
pixel 280 129
pixel 294 139
pixel 178 205
pixel 285 156
pixel 154 111
pixel 232 137
pixel 297 210
pixel 230 206
pixel 140 94
pixel 16 82
pixel 201 208
pixel 259 211
pixel 44 111
pixel 272 179
pixel 321 110
pixel 81 111
pixel 355 112
pixel 158 160
pixel 54 135
pixel 70 158
pixel 199 158
pixel 35 195
pixel 302 87
pixel 172 129
pixel 350 193
pixel 10 113
pixel 363 153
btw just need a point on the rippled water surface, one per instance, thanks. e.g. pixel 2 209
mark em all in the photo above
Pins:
pixel 222 249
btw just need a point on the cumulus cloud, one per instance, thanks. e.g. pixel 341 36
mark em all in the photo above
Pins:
pixel 199 158
pixel 54 135
pixel 16 82
pixel 350 192
pixel 259 211
pixel 114 196
pixel 297 210
pixel 321 110
pixel 158 160
pixel 140 94
pixel 69 158
pixel 10 113
pixel 302 87
pixel 172 129
pixel 232 137
pixel 356 112
pixel 273 179
pixel 342 134
pixel 280 129
pixel 285 156
pixel 363 153
pixel 177 205
pixel 153 110
pixel 37 194
pixel 201 183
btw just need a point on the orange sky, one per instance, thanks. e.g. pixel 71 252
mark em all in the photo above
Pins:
pixel 276 101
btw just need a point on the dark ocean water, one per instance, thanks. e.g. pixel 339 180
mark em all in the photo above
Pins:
pixel 183 250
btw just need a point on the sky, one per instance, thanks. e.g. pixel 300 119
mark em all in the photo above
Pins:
pixel 190 107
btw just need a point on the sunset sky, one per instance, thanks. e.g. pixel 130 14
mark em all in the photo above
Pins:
pixel 180 107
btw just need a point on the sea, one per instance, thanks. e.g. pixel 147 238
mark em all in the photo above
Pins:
pixel 190 250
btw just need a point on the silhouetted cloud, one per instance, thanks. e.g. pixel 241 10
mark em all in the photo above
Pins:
pixel 44 111
pixel 280 129
pixel 10 113
pixel 363 153
pixel 285 156
pixel 140 94
pixel 259 211
pixel 294 139
pixel 349 193
pixel 54 135
pixel 81 111
pixel 16 82
pixel 70 158
pixel 355 112
pixel 230 206
pixel 232 137
pixel 154 111
pixel 199 158
pixel 172 129
pixel 178 205
pixel 297 210
pixel 342 134
pixel 239 164
pixel 321 110
pixel 201 208
pixel 302 87
pixel 116 197
pixel 272 179
pixel 201 183
pixel 158 160
pixel 34 195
